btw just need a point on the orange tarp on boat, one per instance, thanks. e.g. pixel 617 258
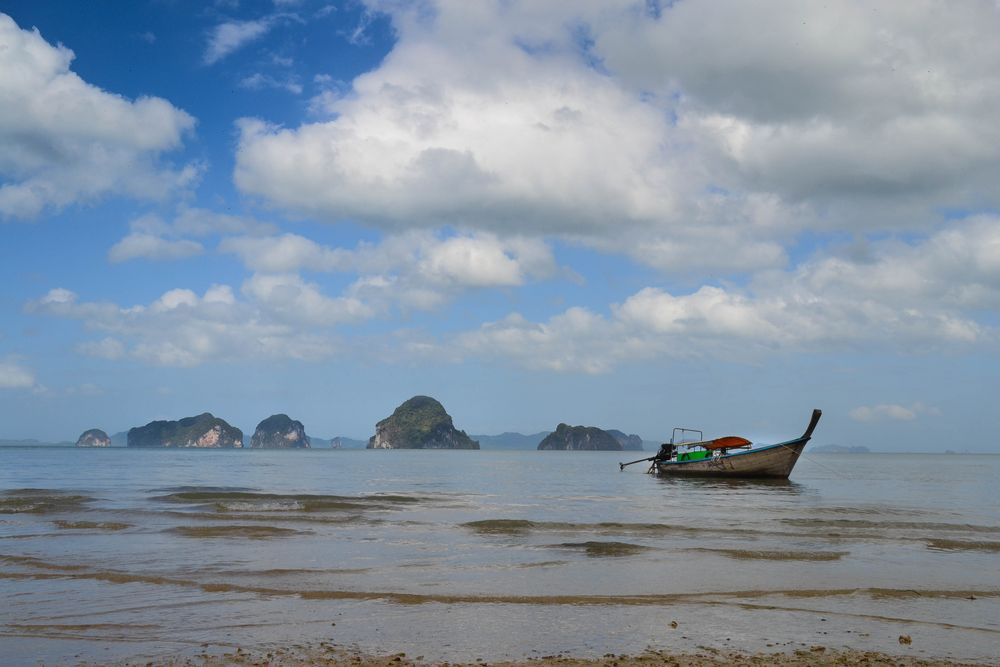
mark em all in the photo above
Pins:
pixel 726 442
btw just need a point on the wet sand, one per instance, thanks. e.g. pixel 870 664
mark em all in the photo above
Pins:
pixel 332 655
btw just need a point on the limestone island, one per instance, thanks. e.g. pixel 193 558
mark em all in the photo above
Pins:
pixel 203 431
pixel 95 437
pixel 280 432
pixel 629 442
pixel 419 423
pixel 584 438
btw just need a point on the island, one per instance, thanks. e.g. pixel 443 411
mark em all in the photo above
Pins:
pixel 419 423
pixel 280 432
pixel 204 431
pixel 629 442
pixel 582 438
pixel 94 437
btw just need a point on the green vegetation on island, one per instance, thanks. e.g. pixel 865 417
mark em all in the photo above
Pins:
pixel 629 442
pixel 280 432
pixel 94 437
pixel 205 430
pixel 420 423
pixel 584 438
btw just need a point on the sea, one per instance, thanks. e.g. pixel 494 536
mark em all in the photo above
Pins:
pixel 124 555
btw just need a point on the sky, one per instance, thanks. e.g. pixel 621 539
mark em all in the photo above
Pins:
pixel 615 213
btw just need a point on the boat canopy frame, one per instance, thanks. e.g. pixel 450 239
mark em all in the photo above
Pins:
pixel 726 442
pixel 677 442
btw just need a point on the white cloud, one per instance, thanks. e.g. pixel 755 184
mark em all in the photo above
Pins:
pixel 908 298
pixel 285 254
pixel 193 221
pixel 155 239
pixel 415 269
pixel 232 35
pixel 14 375
pixel 147 246
pixel 490 137
pixel 472 262
pixel 872 117
pixel 686 143
pixel 260 81
pixel 181 328
pixel 889 411
pixel 573 341
pixel 288 298
pixel 67 141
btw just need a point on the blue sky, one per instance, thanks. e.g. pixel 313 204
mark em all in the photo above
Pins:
pixel 601 213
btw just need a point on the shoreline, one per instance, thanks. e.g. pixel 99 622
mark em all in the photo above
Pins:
pixel 332 655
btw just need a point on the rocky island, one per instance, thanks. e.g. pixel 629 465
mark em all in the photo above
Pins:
pixel 94 437
pixel 205 430
pixel 629 442
pixel 420 423
pixel 585 438
pixel 280 432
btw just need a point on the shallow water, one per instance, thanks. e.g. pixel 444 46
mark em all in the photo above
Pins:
pixel 458 555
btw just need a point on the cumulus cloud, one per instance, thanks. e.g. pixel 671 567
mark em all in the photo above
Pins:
pixel 905 297
pixel 573 341
pixel 417 269
pixel 495 137
pixel 260 81
pixel 183 328
pixel 870 116
pixel 232 35
pixel 890 411
pixel 67 141
pixel 14 375
pixel 148 246
pixel 286 253
pixel 289 298
pixel 686 143
pixel 153 238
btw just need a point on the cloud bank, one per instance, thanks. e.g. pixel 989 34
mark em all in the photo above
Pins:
pixel 66 141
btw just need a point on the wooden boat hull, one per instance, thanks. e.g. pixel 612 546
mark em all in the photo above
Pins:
pixel 772 462
pixel 769 462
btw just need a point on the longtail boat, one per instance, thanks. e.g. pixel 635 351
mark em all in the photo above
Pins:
pixel 729 456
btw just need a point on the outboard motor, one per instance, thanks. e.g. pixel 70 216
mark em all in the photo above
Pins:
pixel 666 452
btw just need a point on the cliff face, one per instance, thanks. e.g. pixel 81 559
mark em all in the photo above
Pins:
pixel 279 432
pixel 205 430
pixel 580 438
pixel 420 423
pixel 95 437
pixel 632 443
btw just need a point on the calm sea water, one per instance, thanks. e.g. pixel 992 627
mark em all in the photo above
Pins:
pixel 453 555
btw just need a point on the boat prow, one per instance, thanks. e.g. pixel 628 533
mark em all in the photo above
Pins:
pixel 711 459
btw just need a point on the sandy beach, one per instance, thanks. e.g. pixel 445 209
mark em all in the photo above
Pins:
pixel 335 656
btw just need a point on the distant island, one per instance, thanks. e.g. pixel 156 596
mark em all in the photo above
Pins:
pixel 94 437
pixel 581 438
pixel 420 423
pixel 204 431
pixel 629 442
pixel 279 432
